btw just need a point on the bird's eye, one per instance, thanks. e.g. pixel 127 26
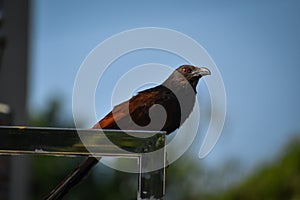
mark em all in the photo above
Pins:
pixel 187 70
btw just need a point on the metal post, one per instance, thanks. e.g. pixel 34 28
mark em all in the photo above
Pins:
pixel 152 171
pixel 152 180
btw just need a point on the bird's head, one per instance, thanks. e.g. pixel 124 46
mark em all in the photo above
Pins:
pixel 187 74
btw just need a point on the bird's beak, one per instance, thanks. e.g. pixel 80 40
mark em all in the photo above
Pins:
pixel 202 71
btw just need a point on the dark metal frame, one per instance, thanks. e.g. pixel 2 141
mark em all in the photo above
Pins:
pixel 150 151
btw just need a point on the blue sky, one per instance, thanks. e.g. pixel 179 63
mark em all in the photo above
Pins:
pixel 255 45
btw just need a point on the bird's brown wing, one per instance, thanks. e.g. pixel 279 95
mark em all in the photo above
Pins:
pixel 134 114
pixel 138 105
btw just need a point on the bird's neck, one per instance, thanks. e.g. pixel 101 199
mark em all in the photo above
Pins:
pixel 185 93
pixel 181 86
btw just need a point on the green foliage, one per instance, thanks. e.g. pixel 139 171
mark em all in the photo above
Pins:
pixel 47 171
pixel 182 180
pixel 105 183
pixel 279 180
pixel 51 116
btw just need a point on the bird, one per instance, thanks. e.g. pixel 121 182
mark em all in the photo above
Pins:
pixel 143 112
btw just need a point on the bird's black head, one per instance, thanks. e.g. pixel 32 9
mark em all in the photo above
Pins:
pixel 186 74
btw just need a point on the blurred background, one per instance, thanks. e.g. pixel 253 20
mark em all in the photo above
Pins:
pixel 255 45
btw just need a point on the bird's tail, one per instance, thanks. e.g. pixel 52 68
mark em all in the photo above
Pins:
pixel 72 179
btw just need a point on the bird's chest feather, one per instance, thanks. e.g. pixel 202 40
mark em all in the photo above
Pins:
pixel 163 110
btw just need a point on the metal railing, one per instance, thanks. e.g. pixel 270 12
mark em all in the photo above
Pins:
pixel 150 151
